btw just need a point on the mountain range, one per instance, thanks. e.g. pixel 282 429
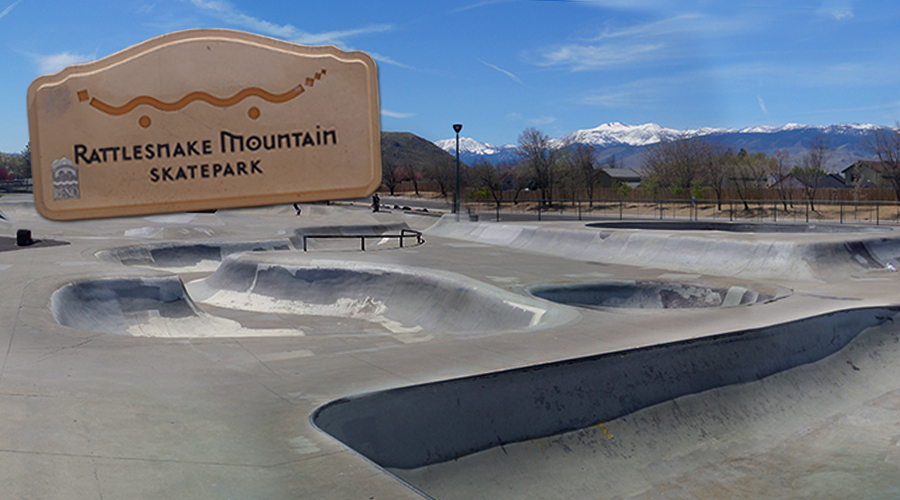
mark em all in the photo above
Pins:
pixel 628 143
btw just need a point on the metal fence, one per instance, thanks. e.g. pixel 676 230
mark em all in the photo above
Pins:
pixel 17 186
pixel 817 211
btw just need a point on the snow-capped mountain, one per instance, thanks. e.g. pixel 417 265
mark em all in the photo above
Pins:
pixel 470 146
pixel 471 150
pixel 616 133
pixel 629 142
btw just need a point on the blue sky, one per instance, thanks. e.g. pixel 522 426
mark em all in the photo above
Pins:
pixel 500 66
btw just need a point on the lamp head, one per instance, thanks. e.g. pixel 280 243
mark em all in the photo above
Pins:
pixel 457 127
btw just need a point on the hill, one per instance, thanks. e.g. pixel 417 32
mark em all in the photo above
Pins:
pixel 629 143
pixel 405 149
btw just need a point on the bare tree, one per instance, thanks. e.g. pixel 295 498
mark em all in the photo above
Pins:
pixel 714 170
pixel 778 169
pixel 676 164
pixel 443 172
pixel 584 159
pixel 488 181
pixel 535 150
pixel 817 154
pixel 412 173
pixel 520 178
pixel 391 174
pixel 748 174
pixel 885 143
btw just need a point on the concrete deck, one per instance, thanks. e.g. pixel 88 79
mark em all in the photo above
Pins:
pixel 89 412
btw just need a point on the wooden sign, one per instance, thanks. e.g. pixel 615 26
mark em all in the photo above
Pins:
pixel 204 119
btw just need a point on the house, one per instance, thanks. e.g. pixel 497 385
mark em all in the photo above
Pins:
pixel 817 181
pixel 865 173
pixel 627 176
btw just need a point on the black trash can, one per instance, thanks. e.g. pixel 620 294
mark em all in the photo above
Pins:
pixel 23 238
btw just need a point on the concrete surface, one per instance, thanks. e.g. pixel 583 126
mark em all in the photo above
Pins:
pixel 222 406
pixel 655 294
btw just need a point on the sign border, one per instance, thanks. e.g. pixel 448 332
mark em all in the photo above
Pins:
pixel 218 203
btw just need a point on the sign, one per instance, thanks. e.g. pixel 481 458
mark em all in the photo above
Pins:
pixel 204 119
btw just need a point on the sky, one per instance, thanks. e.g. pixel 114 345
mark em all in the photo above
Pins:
pixel 500 66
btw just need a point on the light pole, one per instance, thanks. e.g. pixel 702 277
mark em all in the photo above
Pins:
pixel 456 128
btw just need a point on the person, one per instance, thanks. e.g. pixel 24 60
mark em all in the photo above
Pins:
pixel 376 202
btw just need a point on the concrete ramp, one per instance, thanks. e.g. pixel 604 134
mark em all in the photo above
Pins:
pixel 656 294
pixel 181 256
pixel 717 253
pixel 142 307
pixel 420 426
pixel 402 300
pixel 827 429
pixel 740 227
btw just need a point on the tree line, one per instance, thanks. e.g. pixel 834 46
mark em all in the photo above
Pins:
pixel 680 166
pixel 571 170
pixel 15 166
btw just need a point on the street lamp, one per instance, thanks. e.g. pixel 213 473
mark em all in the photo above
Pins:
pixel 456 128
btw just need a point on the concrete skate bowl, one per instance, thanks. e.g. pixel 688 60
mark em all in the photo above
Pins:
pixel 187 256
pixel 242 296
pixel 405 302
pixel 655 294
pixel 206 256
pixel 739 227
pixel 447 436
pixel 140 307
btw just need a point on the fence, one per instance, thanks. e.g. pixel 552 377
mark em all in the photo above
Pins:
pixel 830 211
pixel 404 233
pixel 17 186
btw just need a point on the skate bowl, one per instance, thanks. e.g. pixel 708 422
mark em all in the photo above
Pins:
pixel 425 425
pixel 187 256
pixel 740 227
pixel 402 300
pixel 140 307
pixel 655 294
pixel 743 256
pixel 206 256
pixel 336 297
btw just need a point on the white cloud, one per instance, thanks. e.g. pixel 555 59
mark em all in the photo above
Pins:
pixel 838 10
pixel 386 60
pixel 8 9
pixel 582 57
pixel 612 99
pixel 543 120
pixel 478 5
pixel 762 105
pixel 683 23
pixel 338 37
pixel 507 73
pixel 394 114
pixel 56 62
pixel 228 13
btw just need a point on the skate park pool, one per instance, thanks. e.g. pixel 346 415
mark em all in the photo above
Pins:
pixel 400 301
pixel 740 227
pixel 655 294
pixel 442 365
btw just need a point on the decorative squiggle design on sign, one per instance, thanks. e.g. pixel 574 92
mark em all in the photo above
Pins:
pixel 198 96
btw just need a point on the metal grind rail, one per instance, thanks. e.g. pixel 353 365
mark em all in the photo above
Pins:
pixel 404 233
